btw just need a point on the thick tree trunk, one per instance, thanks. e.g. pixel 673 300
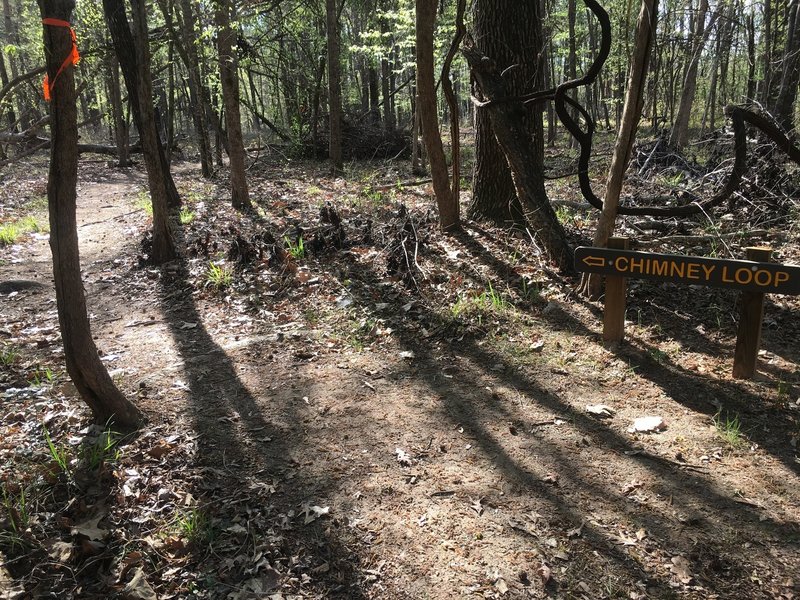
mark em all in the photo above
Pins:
pixel 84 366
pixel 520 153
pixel 229 77
pixel 334 88
pixel 509 33
pixel 679 136
pixel 449 218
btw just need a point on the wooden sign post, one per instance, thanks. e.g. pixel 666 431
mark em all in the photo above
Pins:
pixel 754 277
pixel 751 315
pixel 616 290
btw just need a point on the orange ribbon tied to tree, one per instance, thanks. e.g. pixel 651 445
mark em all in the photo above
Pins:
pixel 72 58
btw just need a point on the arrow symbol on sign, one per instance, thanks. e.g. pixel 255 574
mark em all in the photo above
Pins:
pixel 594 261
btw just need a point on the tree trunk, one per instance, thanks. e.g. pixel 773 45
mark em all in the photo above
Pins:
pixel 679 136
pixel 4 80
pixel 84 366
pixel 187 50
pixel 783 110
pixel 334 88
pixel 229 77
pixel 520 152
pixel 509 33
pixel 766 56
pixel 631 113
pixel 130 54
pixel 120 125
pixel 449 218
pixel 155 158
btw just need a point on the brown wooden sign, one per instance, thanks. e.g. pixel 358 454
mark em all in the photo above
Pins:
pixel 769 278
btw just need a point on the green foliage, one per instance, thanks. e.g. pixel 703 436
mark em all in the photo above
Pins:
pixel 9 234
pixel 195 526
pixel 186 215
pixel 219 276
pixel 59 455
pixel 101 451
pixel 143 202
pixel 297 250
pixel 8 355
pixel 42 376
pixel 729 429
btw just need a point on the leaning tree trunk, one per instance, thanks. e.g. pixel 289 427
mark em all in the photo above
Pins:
pixel 229 77
pixel 509 33
pixel 631 113
pixel 449 218
pixel 83 362
pixel 134 60
pixel 334 88
pixel 679 136
pixel 787 93
pixel 507 121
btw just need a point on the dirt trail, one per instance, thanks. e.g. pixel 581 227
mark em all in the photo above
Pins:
pixel 425 465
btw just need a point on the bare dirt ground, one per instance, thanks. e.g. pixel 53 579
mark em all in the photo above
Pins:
pixel 331 425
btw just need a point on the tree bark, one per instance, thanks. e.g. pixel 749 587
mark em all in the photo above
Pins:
pixel 507 122
pixel 334 88
pixel 679 136
pixel 225 12
pixel 130 51
pixel 787 93
pixel 83 363
pixel 449 218
pixel 120 125
pixel 154 155
pixel 508 32
pixel 631 113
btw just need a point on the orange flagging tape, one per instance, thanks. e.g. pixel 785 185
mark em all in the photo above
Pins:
pixel 72 58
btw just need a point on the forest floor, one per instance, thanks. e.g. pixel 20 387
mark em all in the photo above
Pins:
pixel 324 422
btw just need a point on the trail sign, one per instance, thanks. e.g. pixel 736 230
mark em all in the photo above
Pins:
pixel 746 275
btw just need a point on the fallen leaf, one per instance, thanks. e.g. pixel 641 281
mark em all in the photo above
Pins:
pixel 138 588
pixel 600 410
pixel 90 529
pixel 501 586
pixel 477 506
pixel 681 567
pixel 402 457
pixel 60 551
pixel 544 573
pixel 647 425
pixel 312 513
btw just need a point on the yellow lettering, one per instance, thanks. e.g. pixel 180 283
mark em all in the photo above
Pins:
pixel 708 269
pixel 725 275
pixel 637 264
pixel 618 264
pixel 781 277
pixel 677 269
pixel 759 277
pixel 743 276
pixel 660 267
pixel 692 271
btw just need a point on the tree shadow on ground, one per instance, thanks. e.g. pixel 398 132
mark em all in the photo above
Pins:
pixel 689 514
pixel 250 474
